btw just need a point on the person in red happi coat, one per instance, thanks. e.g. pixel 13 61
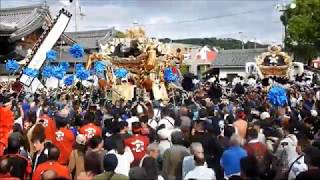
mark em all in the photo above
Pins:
pixel 52 164
pixel 137 143
pixel 6 122
pixel 64 140
pixel 48 123
pixel 89 129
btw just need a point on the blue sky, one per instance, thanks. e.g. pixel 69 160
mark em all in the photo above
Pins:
pixel 257 19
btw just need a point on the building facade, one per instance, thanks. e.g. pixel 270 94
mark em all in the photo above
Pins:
pixel 20 29
pixel 231 63
pixel 227 64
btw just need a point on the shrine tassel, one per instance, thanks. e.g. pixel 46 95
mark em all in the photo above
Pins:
pixel 142 73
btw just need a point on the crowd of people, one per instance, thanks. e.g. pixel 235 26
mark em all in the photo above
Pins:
pixel 212 132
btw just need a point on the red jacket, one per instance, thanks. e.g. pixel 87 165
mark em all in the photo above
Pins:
pixel 62 171
pixel 7 177
pixel 64 140
pixel 90 130
pixel 6 124
pixel 257 149
pixel 138 145
pixel 22 167
pixel 49 126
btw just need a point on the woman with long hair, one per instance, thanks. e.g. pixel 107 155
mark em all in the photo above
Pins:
pixel 76 163
pixel 92 166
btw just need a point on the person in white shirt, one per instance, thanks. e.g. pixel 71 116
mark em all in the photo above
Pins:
pixel 137 111
pixel 152 151
pixel 149 162
pixel 164 142
pixel 188 163
pixel 153 122
pixel 200 171
pixel 167 119
pixel 126 158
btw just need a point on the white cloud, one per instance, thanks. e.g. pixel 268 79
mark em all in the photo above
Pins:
pixel 263 25
pixel 159 20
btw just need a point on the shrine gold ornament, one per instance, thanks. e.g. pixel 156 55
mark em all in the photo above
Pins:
pixel 274 62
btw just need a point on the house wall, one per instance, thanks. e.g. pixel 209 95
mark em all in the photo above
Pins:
pixel 235 70
pixel 6 78
pixel 194 63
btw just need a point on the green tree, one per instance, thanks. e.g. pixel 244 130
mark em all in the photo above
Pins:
pixel 119 34
pixel 184 69
pixel 303 29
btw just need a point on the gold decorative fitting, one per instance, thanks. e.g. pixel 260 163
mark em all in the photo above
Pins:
pixel 274 49
pixel 274 62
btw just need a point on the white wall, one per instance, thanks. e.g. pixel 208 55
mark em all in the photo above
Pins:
pixel 53 82
pixel 194 63
pixel 225 71
pixel 5 78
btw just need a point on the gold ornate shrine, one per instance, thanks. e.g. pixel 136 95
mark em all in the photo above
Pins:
pixel 135 52
pixel 131 52
pixel 274 62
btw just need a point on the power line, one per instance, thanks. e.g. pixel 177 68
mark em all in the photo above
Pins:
pixel 170 0
pixel 194 20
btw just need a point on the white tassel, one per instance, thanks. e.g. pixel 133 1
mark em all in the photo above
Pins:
pixel 139 109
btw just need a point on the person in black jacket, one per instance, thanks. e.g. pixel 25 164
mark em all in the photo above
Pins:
pixel 312 159
pixel 202 132
pixel 38 141
pixel 21 167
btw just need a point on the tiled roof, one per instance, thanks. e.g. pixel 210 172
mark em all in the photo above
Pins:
pixel 24 20
pixel 65 56
pixel 21 21
pixel 236 57
pixel 91 39
pixel 7 29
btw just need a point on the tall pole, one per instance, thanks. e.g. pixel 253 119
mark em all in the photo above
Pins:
pixel 285 21
pixel 284 8
pixel 75 16
pixel 242 44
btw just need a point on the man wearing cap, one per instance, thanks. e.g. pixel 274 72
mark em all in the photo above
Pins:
pixel 138 143
pixel 110 163
pixel 164 144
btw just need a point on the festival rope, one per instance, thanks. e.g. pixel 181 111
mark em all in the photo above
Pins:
pixel 141 73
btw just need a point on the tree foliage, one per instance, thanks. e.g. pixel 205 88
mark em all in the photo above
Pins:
pixel 226 43
pixel 119 34
pixel 303 29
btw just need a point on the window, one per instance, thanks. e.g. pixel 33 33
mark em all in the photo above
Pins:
pixel 202 68
pixel 231 76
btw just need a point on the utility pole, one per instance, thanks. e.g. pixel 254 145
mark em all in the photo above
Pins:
pixel 242 44
pixel 284 8
pixel 75 16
